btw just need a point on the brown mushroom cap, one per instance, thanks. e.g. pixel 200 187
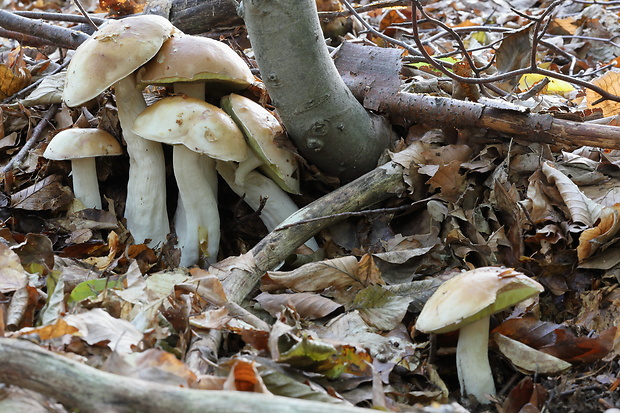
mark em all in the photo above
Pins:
pixel 82 143
pixel 196 59
pixel 202 127
pixel 473 295
pixel 115 50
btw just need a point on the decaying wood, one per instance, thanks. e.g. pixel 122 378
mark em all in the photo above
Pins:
pixel 87 389
pixel 197 16
pixel 375 186
pixel 409 108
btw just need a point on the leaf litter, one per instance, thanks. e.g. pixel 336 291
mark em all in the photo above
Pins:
pixel 340 329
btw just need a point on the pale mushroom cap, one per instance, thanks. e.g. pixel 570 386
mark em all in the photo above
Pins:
pixel 262 130
pixel 82 143
pixel 473 295
pixel 115 50
pixel 202 127
pixel 199 59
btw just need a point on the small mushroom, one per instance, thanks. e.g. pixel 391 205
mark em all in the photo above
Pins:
pixel 466 302
pixel 198 131
pixel 81 147
pixel 109 58
pixel 262 132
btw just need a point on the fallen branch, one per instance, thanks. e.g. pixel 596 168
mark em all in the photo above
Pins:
pixel 83 388
pixel 374 186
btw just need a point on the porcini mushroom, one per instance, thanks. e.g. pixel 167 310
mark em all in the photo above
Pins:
pixel 110 58
pixel 81 147
pixel 466 302
pixel 196 129
pixel 262 130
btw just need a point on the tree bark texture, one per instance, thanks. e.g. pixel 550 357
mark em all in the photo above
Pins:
pixel 328 125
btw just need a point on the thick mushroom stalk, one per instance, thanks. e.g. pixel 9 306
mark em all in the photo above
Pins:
pixel 198 212
pixel 278 205
pixel 472 361
pixel 145 207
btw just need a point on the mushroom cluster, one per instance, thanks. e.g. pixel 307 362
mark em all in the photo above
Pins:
pixel 137 51
pixel 465 303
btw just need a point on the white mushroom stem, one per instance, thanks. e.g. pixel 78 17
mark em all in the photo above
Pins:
pixel 85 184
pixel 191 89
pixel 472 361
pixel 278 206
pixel 197 214
pixel 251 163
pixel 145 208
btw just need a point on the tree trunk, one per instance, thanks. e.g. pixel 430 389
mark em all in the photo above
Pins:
pixel 328 125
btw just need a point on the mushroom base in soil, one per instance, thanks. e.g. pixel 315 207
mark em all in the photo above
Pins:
pixel 466 302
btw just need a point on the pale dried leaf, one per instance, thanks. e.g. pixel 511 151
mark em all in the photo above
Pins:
pixel 97 326
pixel 380 307
pixel 583 210
pixel 308 305
pixel 337 273
pixel 12 274
pixel 529 360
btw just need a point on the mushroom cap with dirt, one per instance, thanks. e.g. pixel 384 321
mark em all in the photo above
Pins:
pixel 81 146
pixel 200 132
pixel 466 302
pixel 109 58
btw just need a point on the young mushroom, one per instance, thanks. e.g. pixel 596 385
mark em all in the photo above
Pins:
pixel 262 132
pixel 81 146
pixel 109 58
pixel 196 129
pixel 466 302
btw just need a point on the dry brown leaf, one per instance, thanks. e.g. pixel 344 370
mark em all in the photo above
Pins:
pixel 605 230
pixel 609 82
pixel 368 272
pixel 448 179
pixel 13 80
pixel 309 306
pixel 337 273
pixel 244 377
pixel 58 329
pixel 583 211
pixel 46 194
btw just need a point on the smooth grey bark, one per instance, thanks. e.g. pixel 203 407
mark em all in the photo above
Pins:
pixel 330 128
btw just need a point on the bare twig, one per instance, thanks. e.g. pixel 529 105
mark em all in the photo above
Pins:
pixel 60 36
pixel 61 17
pixel 36 133
pixel 86 16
